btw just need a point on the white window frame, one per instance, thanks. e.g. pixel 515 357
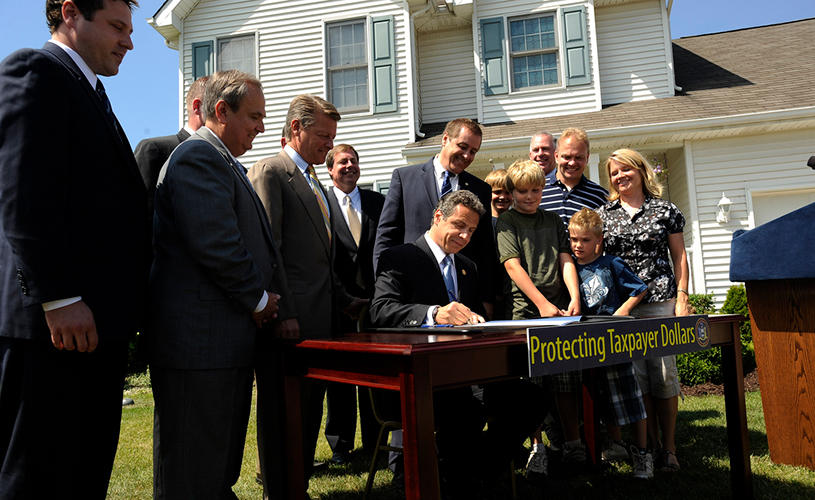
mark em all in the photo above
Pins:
pixel 254 37
pixel 366 22
pixel 555 15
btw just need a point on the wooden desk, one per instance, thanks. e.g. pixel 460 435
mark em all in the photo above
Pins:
pixel 418 363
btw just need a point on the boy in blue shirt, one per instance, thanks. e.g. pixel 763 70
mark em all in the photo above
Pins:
pixel 609 287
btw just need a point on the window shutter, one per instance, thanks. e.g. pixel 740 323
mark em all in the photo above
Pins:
pixel 384 64
pixel 492 47
pixel 201 59
pixel 576 46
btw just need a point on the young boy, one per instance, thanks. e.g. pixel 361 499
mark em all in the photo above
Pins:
pixel 500 203
pixel 534 249
pixel 501 198
pixel 608 286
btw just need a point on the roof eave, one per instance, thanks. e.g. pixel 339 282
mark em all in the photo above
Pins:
pixel 658 133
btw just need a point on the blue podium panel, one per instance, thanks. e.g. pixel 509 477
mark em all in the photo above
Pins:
pixel 780 249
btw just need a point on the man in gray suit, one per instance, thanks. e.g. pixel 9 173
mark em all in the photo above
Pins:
pixel 311 295
pixel 213 267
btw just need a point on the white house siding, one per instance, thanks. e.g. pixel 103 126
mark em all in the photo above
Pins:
pixel 528 104
pixel 292 61
pixel 736 166
pixel 446 74
pixel 678 188
pixel 634 64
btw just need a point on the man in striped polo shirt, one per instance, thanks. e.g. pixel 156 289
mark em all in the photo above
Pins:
pixel 570 190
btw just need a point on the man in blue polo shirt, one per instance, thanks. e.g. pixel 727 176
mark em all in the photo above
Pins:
pixel 569 190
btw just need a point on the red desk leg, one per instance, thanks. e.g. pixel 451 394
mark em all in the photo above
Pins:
pixel 741 477
pixel 418 439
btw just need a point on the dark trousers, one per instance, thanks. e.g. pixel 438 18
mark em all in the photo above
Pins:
pixel 514 408
pixel 271 418
pixel 341 420
pixel 60 413
pixel 199 431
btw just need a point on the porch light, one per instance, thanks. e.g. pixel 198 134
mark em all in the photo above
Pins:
pixel 723 209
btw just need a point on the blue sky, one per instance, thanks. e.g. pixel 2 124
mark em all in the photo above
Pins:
pixel 145 93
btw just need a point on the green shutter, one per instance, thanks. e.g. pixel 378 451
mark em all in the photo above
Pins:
pixel 495 67
pixel 576 46
pixel 201 59
pixel 384 64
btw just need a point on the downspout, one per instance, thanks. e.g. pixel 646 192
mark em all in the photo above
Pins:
pixel 412 68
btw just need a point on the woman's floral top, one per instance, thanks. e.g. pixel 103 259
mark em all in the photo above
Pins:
pixel 642 242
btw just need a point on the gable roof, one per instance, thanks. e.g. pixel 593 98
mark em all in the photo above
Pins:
pixel 737 79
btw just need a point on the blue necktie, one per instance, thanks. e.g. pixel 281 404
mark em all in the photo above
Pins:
pixel 447 272
pixel 446 187
pixel 100 89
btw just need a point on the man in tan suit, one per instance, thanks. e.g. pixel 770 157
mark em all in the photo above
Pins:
pixel 311 295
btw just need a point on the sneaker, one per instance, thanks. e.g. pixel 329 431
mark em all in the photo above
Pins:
pixel 555 438
pixel 537 465
pixel 614 451
pixel 576 454
pixel 643 464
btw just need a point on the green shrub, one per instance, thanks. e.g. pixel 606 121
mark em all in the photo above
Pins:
pixel 736 303
pixel 702 304
pixel 706 366
pixel 703 366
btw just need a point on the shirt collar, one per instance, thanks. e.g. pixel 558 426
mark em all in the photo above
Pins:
pixel 77 59
pixel 340 194
pixel 223 145
pixel 438 253
pixel 295 156
pixel 438 168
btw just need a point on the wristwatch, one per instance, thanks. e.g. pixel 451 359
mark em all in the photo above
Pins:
pixel 434 313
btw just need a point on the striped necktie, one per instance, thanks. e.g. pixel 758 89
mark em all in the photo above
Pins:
pixel 318 192
pixel 446 187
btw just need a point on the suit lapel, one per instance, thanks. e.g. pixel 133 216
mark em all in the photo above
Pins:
pixel 115 129
pixel 340 227
pixel 430 185
pixel 237 169
pixel 433 275
pixel 307 197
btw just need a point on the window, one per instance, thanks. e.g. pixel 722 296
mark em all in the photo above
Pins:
pixel 534 52
pixel 361 65
pixel 201 59
pixel 237 53
pixel 348 65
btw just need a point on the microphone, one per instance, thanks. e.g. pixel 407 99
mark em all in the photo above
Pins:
pixel 811 162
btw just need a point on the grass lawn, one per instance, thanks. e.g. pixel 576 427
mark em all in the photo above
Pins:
pixel 702 451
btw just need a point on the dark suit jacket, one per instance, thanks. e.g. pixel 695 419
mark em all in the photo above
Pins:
pixel 350 259
pixel 409 281
pixel 214 257
pixel 150 157
pixel 408 213
pixel 305 279
pixel 73 207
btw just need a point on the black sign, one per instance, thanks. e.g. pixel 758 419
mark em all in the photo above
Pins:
pixel 592 344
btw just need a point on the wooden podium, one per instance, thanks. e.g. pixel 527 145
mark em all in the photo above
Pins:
pixel 775 262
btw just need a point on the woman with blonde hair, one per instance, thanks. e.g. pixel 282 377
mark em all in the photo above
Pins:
pixel 647 233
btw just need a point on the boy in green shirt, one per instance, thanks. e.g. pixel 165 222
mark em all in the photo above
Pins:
pixel 534 248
